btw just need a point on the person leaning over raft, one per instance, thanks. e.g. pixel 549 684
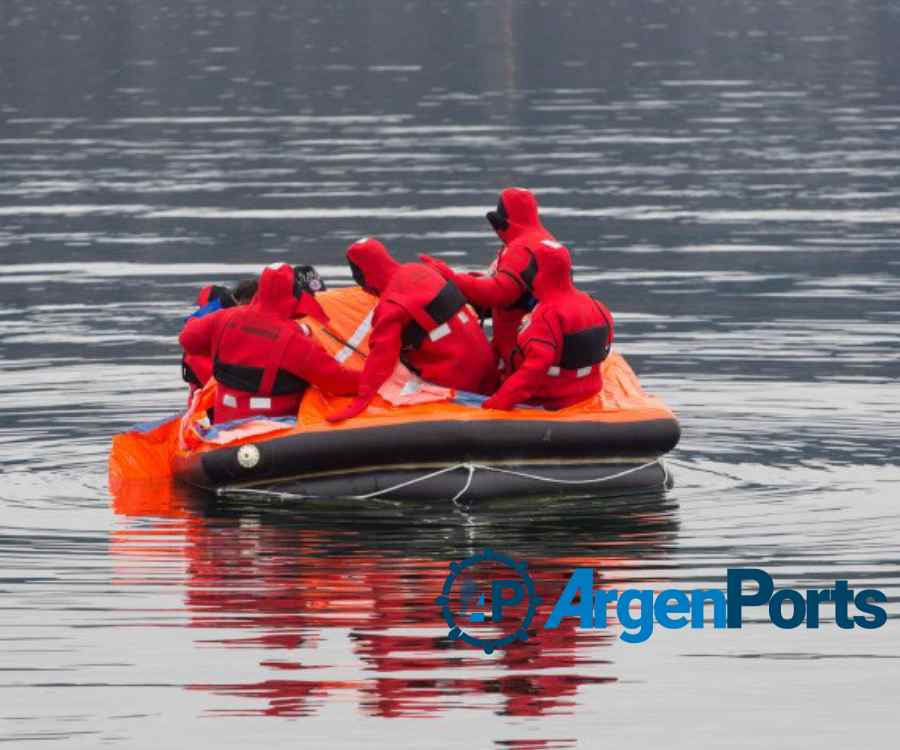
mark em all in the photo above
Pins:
pixel 263 361
pixel 196 369
pixel 561 344
pixel 422 320
pixel 507 289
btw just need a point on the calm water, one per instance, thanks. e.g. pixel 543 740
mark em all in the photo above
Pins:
pixel 728 174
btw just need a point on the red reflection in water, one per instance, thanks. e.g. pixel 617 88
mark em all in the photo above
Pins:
pixel 287 585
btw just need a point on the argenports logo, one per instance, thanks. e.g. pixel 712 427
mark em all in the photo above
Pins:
pixel 462 606
pixel 490 580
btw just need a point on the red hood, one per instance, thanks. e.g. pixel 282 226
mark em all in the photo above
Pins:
pixel 372 264
pixel 554 271
pixel 520 208
pixel 275 295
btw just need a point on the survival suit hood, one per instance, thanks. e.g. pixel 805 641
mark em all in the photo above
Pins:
pixel 516 214
pixel 554 271
pixel 371 264
pixel 282 294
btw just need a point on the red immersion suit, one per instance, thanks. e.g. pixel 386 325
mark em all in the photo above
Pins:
pixel 422 320
pixel 263 361
pixel 561 344
pixel 196 369
pixel 507 290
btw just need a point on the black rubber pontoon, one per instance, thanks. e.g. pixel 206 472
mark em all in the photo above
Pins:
pixel 443 459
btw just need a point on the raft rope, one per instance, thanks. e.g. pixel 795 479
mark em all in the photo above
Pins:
pixel 414 480
pixel 471 468
pixel 539 478
pixel 714 472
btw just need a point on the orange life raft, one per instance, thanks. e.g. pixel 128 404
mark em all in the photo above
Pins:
pixel 415 441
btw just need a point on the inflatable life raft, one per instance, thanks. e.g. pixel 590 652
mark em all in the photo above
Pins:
pixel 416 440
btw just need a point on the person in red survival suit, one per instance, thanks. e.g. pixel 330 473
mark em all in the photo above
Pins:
pixel 196 369
pixel 263 361
pixel 422 320
pixel 507 290
pixel 561 344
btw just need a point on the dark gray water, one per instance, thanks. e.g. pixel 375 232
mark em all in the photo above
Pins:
pixel 728 175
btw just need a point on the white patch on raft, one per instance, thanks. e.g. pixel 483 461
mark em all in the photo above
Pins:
pixel 248 456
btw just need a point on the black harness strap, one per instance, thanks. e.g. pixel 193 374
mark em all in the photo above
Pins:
pixel 585 348
pixel 188 375
pixel 239 377
pixel 526 300
pixel 286 383
pixel 249 379
pixel 444 306
pixel 413 335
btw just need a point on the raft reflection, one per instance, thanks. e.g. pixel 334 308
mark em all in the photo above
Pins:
pixel 286 579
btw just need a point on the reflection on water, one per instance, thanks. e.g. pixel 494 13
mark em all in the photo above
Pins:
pixel 281 581
pixel 726 175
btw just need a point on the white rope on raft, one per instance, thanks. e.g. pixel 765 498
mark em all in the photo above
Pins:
pixel 409 482
pixel 471 468
pixel 552 480
pixel 465 489
pixel 369 496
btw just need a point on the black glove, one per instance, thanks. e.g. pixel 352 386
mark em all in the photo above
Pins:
pixel 307 279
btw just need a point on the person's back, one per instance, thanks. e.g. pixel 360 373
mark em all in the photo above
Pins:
pixel 443 341
pixel 422 320
pixel 585 326
pixel 561 345
pixel 263 361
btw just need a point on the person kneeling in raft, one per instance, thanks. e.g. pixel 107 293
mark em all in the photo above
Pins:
pixel 561 344
pixel 262 360
pixel 422 320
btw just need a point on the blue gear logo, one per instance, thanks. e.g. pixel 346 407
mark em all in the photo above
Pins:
pixel 505 592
